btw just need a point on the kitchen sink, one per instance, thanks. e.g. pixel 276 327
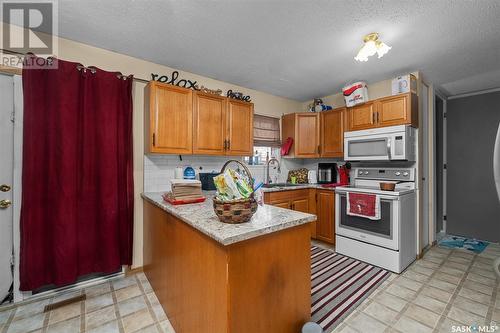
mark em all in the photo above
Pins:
pixel 280 185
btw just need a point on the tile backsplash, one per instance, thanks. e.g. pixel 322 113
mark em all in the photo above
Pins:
pixel 159 169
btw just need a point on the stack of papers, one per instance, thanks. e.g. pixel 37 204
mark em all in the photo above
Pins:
pixel 185 189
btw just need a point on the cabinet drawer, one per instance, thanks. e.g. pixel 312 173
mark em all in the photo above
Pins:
pixel 286 195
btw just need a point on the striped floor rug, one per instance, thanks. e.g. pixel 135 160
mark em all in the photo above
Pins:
pixel 339 285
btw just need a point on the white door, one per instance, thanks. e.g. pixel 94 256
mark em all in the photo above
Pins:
pixel 6 180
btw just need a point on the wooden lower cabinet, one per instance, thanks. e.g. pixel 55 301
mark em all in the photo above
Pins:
pixel 259 285
pixel 313 201
pixel 325 210
pixel 301 205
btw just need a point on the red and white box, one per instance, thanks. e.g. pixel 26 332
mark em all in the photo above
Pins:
pixel 356 93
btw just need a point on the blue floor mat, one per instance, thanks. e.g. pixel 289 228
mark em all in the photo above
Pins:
pixel 469 244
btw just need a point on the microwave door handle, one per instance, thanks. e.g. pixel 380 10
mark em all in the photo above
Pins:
pixel 389 148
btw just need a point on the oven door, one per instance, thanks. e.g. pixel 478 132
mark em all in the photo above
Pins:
pixel 383 232
pixel 374 147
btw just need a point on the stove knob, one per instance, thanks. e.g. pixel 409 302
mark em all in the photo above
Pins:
pixel 360 172
pixel 397 173
pixel 366 172
pixel 405 174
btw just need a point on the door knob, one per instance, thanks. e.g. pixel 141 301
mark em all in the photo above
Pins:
pixel 4 188
pixel 5 204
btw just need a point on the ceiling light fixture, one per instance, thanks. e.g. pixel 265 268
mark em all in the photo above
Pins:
pixel 372 46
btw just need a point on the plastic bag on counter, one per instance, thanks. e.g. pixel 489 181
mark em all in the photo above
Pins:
pixel 231 185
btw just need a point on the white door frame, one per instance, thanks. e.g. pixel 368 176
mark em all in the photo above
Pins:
pixel 434 166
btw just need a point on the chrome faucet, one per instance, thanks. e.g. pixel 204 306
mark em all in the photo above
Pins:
pixel 267 176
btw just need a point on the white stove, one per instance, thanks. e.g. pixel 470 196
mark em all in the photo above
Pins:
pixel 389 242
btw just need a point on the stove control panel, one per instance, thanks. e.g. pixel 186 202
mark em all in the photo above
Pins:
pixel 406 174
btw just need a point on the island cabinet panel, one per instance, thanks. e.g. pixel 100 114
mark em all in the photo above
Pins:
pixel 187 272
pixel 258 285
pixel 239 128
pixel 332 133
pixel 209 132
pixel 325 210
pixel 168 119
pixel 280 293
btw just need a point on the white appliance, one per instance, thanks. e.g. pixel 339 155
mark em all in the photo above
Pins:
pixel 390 242
pixel 312 177
pixel 396 143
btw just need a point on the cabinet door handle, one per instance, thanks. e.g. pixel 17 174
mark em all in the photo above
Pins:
pixel 228 144
pixel 319 149
pixel 225 144
pixel 154 139
pixel 373 117
pixel 378 117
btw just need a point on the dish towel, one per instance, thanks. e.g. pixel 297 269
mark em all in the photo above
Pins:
pixel 363 205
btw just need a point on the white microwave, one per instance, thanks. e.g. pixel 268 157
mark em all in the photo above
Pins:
pixel 393 143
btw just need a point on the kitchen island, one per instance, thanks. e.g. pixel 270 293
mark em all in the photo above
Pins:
pixel 222 278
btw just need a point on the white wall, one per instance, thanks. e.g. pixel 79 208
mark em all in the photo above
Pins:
pixel 375 90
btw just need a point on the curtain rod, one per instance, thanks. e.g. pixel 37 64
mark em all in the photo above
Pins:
pixel 20 55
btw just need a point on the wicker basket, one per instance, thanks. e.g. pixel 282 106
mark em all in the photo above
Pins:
pixel 236 211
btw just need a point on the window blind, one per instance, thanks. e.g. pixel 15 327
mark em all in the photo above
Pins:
pixel 266 131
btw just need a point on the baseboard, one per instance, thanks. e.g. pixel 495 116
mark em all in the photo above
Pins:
pixel 131 271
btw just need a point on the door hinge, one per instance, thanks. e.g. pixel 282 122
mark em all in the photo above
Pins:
pixel 445 217
pixel 444 166
pixel 444 114
pixel 154 138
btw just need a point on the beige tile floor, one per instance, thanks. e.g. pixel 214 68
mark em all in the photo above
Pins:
pixel 445 288
pixel 122 305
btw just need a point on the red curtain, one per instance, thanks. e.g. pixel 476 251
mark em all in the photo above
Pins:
pixel 77 193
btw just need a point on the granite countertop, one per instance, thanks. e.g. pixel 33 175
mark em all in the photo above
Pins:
pixel 296 187
pixel 201 216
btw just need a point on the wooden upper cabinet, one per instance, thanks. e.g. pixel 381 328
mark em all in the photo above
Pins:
pixel 362 116
pixel 325 211
pixel 209 125
pixel 388 111
pixel 305 131
pixel 168 113
pixel 332 133
pixel 307 135
pixel 397 110
pixel 182 121
pixel 239 128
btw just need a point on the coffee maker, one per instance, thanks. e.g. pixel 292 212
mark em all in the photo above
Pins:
pixel 327 173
